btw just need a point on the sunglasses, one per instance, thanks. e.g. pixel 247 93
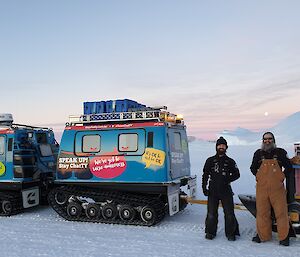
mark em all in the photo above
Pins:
pixel 268 138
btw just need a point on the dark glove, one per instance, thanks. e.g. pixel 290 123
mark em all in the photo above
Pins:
pixel 205 191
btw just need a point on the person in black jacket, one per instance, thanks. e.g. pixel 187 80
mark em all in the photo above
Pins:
pixel 220 170
pixel 271 166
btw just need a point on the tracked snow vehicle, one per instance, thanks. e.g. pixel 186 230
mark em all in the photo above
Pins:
pixel 123 166
pixel 27 164
pixel 249 201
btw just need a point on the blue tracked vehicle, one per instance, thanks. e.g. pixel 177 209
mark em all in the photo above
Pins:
pixel 125 166
pixel 27 163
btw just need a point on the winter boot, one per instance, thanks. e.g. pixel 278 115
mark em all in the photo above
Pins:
pixel 256 239
pixel 231 238
pixel 209 236
pixel 285 242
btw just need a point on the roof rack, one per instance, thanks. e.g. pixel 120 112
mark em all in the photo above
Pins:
pixel 15 125
pixel 157 114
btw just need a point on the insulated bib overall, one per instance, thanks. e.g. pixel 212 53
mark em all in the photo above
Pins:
pixel 270 192
pixel 220 171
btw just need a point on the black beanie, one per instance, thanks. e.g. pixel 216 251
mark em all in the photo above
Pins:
pixel 221 141
pixel 269 133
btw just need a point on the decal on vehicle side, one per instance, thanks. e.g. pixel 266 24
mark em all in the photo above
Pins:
pixel 153 157
pixel 2 169
pixel 109 166
pixel 72 163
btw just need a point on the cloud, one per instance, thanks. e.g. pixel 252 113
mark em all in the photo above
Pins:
pixel 233 103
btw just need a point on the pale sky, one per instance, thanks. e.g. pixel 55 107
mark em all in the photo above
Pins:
pixel 221 64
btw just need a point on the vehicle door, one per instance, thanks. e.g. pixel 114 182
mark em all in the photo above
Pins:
pixel 178 151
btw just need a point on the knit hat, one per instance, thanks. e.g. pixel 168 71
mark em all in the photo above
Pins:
pixel 269 133
pixel 221 141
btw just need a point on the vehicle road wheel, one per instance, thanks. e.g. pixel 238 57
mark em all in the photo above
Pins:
pixel 92 211
pixel 109 211
pixel 127 213
pixel 74 210
pixel 148 215
pixel 7 207
pixel 60 198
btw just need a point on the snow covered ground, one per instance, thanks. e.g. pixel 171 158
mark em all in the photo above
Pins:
pixel 41 232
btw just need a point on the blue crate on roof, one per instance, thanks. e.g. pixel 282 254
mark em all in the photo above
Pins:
pixel 86 108
pixel 111 106
pixel 92 107
pixel 100 107
pixel 126 105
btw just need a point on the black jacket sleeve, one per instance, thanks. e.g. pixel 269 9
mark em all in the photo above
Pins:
pixel 285 162
pixel 256 161
pixel 205 175
pixel 234 172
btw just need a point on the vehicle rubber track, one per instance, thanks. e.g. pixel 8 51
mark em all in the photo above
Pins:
pixel 153 208
pixel 10 203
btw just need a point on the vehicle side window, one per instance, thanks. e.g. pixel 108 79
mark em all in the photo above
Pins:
pixel 10 144
pixel 41 138
pixel 2 145
pixel 91 144
pixel 150 139
pixel 128 142
pixel 177 141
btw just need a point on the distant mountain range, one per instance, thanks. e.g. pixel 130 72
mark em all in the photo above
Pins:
pixel 286 131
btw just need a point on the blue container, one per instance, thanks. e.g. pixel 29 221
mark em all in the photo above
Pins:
pixel 110 106
pixel 87 107
pixel 94 107
pixel 134 106
pixel 100 107
pixel 121 106
pixel 143 107
pixel 124 105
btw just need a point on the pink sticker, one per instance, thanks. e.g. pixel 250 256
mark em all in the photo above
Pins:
pixel 107 166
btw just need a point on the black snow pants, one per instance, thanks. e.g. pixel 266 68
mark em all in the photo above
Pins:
pixel 211 222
